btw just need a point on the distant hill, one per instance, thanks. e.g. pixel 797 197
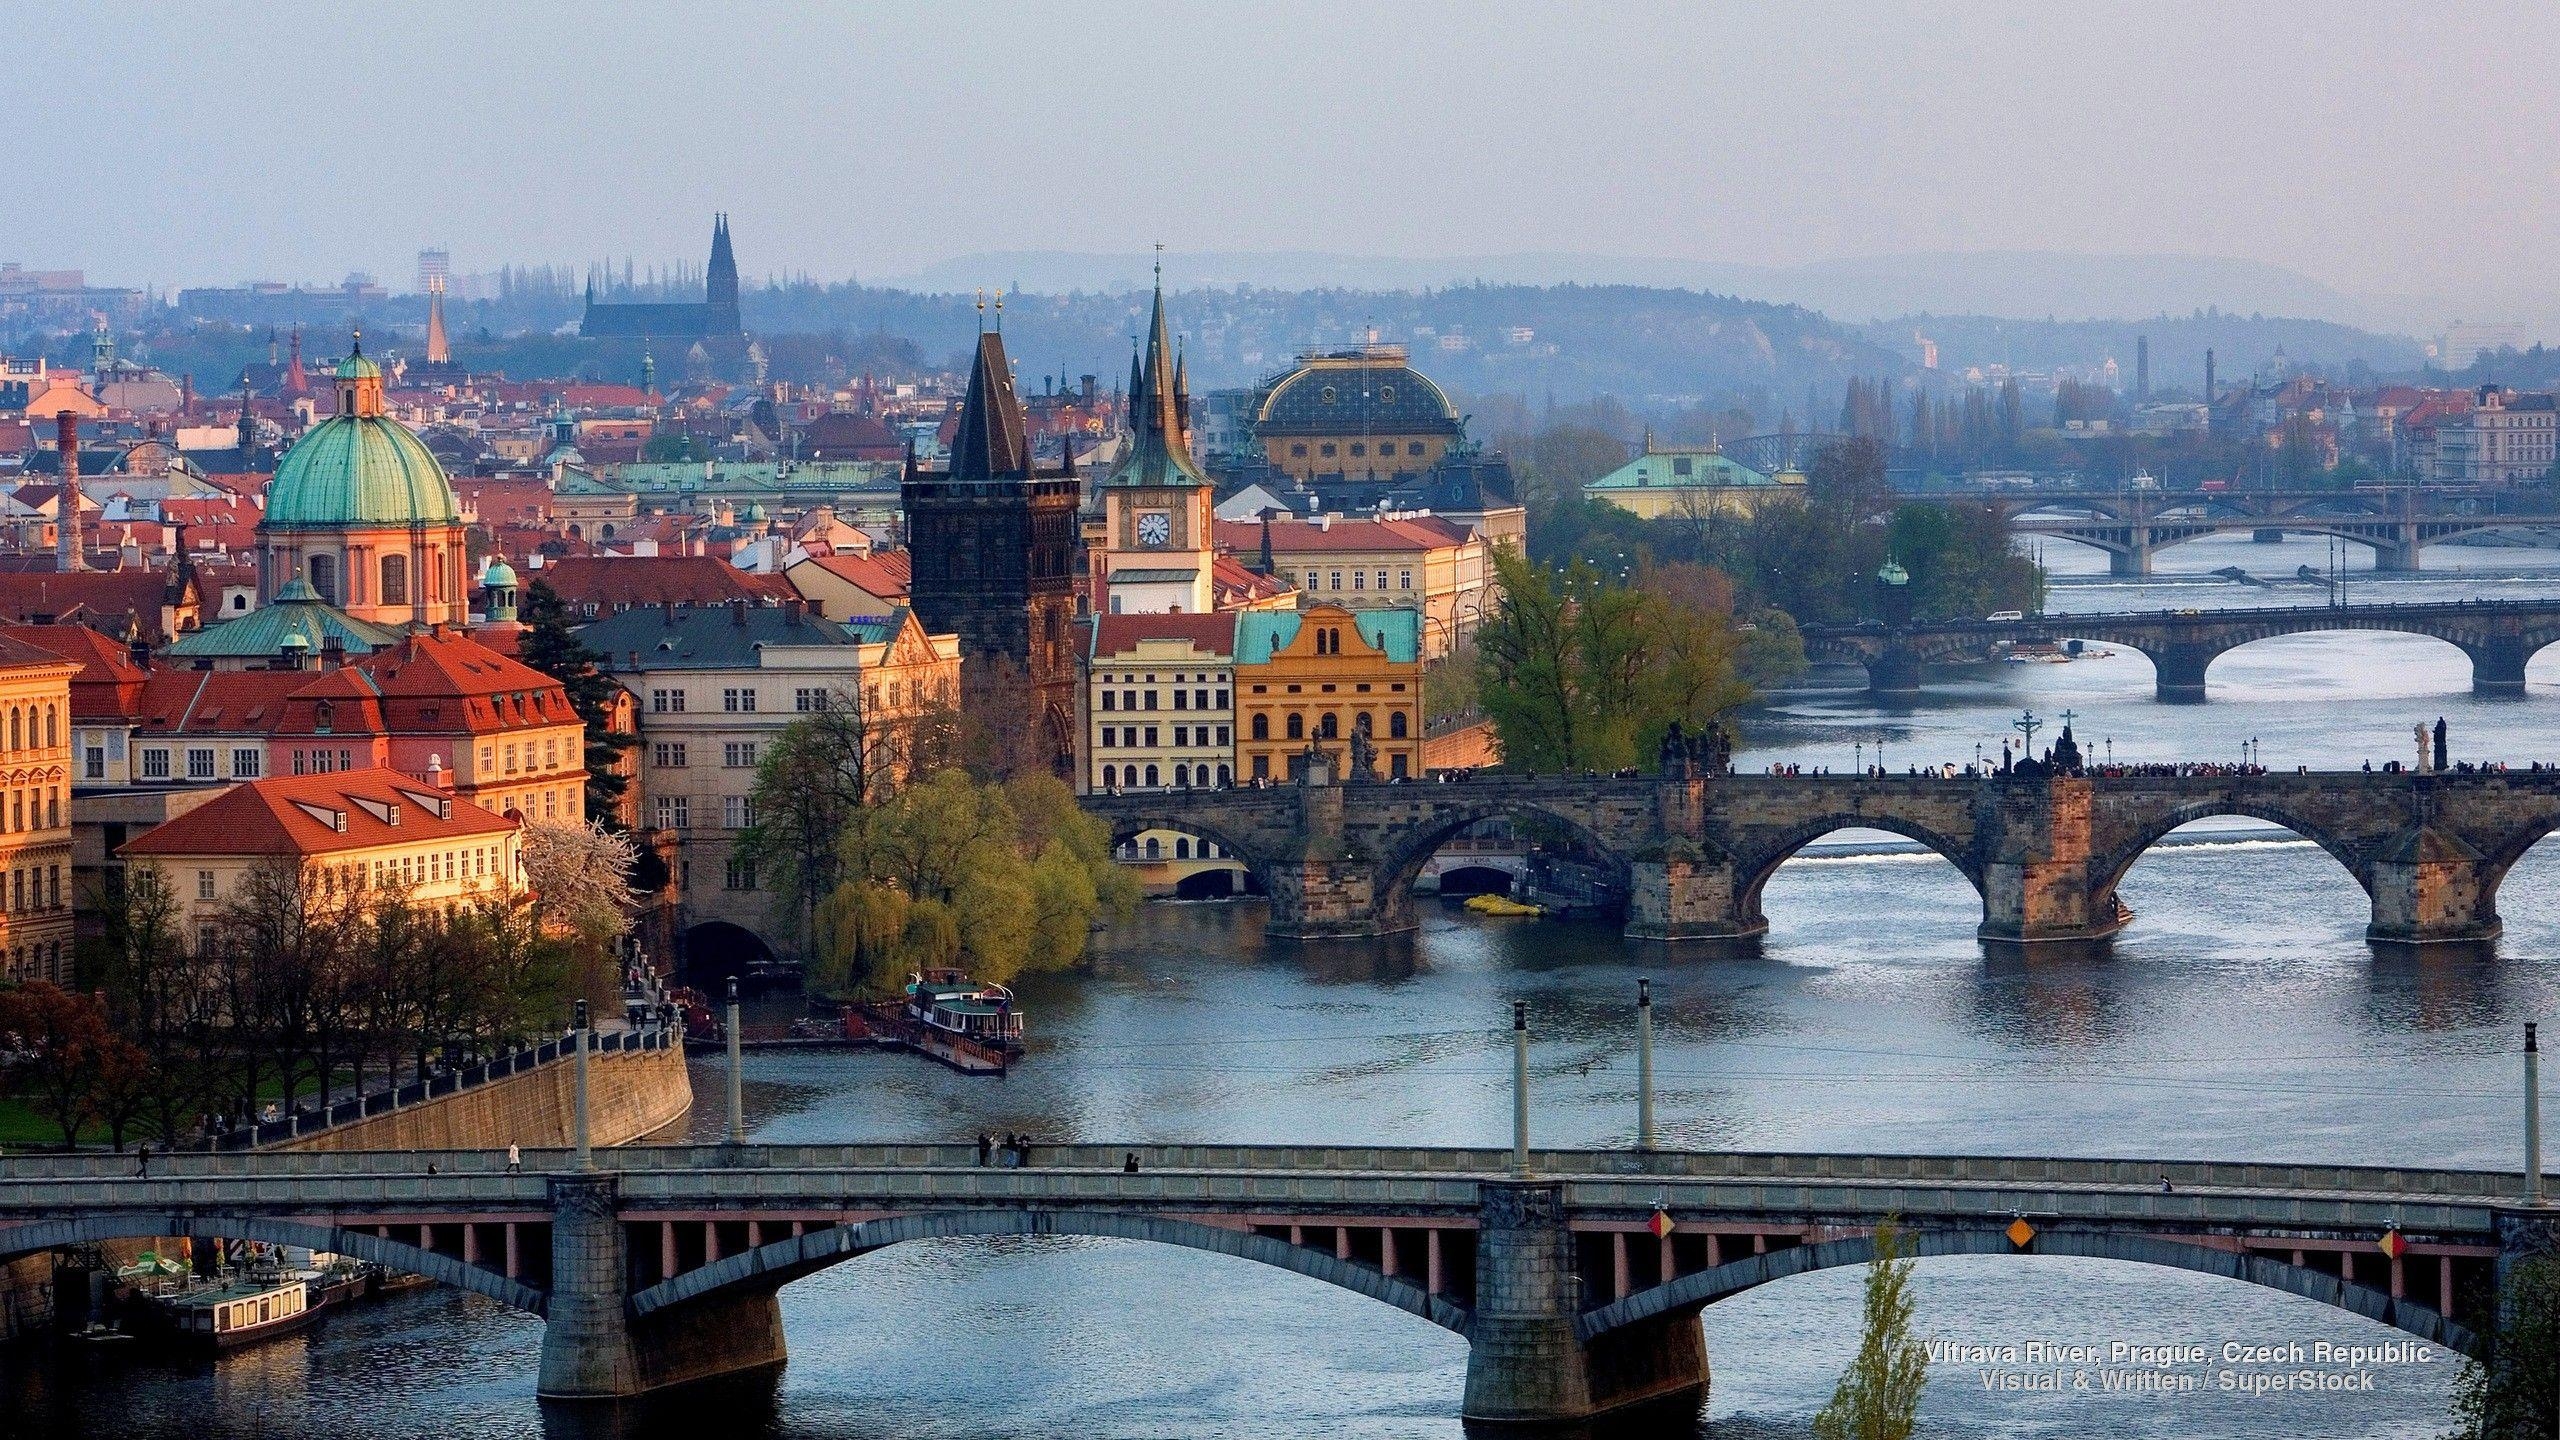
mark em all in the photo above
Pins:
pixel 2241 345
pixel 2024 284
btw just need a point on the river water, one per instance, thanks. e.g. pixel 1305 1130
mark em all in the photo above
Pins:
pixel 2240 1016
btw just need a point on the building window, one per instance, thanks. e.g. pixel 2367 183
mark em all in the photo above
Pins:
pixel 395 579
pixel 1359 579
pixel 737 811
pixel 1108 697
pixel 1151 699
pixel 741 876
pixel 199 764
pixel 1337 579
pixel 1181 736
pixel 666 702
pixel 204 884
pixel 739 755
pixel 1181 699
pixel 1395 725
pixel 1297 725
pixel 1404 579
pixel 1226 776
pixel 806 700
pixel 93 763
pixel 1222 699
pixel 550 754
pixel 1151 742
pixel 1395 764
pixel 1326 450
pixel 1261 767
pixel 1298 450
pixel 738 702
pixel 246 763
pixel 1222 738
pixel 155 764
pixel 673 813
pixel 1359 451
pixel 1152 782
pixel 1382 579
pixel 671 755
pixel 1110 777
pixel 1413 447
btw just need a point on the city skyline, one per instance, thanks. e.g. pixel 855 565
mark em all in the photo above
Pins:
pixel 1770 139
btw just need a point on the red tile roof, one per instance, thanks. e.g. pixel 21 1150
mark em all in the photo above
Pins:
pixel 216 702
pixel 884 573
pixel 620 582
pixel 1212 634
pixel 1236 583
pixel 1428 532
pixel 302 815
pixel 107 681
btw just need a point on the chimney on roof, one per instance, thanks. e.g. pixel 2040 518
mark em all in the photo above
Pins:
pixel 667 612
pixel 738 613
pixel 333 650
pixel 794 611
pixel 67 556
pixel 139 652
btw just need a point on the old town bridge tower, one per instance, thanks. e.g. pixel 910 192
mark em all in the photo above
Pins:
pixel 992 540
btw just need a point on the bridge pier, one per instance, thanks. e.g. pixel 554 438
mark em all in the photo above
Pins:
pixel 1688 902
pixel 2035 887
pixel 1894 674
pixel 591 1347
pixel 2497 668
pixel 2133 564
pixel 2177 672
pixel 1526 1360
pixel 2266 536
pixel 2432 889
pixel 1334 900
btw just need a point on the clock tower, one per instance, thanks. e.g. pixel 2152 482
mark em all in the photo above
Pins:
pixel 1156 551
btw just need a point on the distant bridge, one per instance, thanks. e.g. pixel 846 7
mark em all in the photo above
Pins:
pixel 2500 636
pixel 661 1265
pixel 1694 852
pixel 2396 523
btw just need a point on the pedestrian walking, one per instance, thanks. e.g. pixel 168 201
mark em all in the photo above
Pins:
pixel 986 1148
pixel 142 1159
pixel 1130 1165
pixel 515 1159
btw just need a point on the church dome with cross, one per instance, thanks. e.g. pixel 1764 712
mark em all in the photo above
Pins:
pixel 361 511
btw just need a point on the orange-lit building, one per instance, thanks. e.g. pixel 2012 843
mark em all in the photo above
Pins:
pixel 1318 676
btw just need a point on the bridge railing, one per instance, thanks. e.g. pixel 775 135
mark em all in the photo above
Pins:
pixel 296 1124
pixel 2130 1174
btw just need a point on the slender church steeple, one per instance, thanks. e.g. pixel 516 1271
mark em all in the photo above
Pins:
pixel 990 443
pixel 438 351
pixel 721 284
pixel 1159 453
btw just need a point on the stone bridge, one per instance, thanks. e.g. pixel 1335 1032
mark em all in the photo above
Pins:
pixel 1695 853
pixel 660 1265
pixel 2132 525
pixel 2500 636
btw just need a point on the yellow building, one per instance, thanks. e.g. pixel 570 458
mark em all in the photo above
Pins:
pixel 355 829
pixel 1321 676
pixel 1359 414
pixel 1698 483
pixel 35 813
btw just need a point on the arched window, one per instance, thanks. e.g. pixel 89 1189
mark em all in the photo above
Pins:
pixel 52 727
pixel 1182 776
pixel 17 738
pixel 324 577
pixel 395 579
pixel 1261 727
pixel 1152 781
pixel 1226 776
pixel 1395 725
pixel 1110 776
pixel 1182 847
pixel 1329 726
pixel 1155 848
pixel 1297 726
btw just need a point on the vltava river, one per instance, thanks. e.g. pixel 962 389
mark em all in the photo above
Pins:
pixel 2241 1016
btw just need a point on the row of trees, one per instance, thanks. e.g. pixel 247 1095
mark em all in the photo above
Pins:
pixel 300 986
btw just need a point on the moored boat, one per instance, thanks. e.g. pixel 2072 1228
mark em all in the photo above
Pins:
pixel 946 1002
pixel 231 1314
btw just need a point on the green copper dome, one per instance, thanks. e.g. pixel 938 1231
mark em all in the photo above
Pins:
pixel 356 367
pixel 355 470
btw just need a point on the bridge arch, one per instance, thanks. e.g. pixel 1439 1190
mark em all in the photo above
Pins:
pixel 1129 825
pixel 1705 1287
pixel 2107 869
pixel 1755 871
pixel 1411 851
pixel 45 1235
pixel 783 1261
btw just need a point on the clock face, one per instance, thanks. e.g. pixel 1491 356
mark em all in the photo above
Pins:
pixel 1154 528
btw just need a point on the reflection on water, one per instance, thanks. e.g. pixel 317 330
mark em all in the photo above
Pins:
pixel 2240 1015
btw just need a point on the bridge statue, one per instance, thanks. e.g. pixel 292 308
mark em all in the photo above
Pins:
pixel 2044 842
pixel 1364 751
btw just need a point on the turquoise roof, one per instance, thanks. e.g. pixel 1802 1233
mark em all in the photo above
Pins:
pixel 1661 470
pixel 356 367
pixel 297 613
pixel 360 470
pixel 1259 632
pixel 499 576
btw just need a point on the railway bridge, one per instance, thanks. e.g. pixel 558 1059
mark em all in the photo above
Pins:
pixel 2501 637
pixel 1575 1277
pixel 1694 851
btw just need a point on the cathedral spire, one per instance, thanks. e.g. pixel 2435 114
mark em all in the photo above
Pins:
pixel 438 351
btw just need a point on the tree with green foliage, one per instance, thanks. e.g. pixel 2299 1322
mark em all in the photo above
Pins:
pixel 2515 1392
pixel 551 645
pixel 1580 671
pixel 1879 1396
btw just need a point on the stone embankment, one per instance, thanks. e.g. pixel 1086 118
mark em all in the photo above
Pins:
pixel 631 1095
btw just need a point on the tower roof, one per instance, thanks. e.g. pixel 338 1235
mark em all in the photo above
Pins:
pixel 990 441
pixel 1157 454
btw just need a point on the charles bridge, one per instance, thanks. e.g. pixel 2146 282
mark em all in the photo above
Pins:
pixel 2500 636
pixel 1693 851
pixel 1575 1277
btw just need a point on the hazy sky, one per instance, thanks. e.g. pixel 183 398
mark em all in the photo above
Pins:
pixel 2383 148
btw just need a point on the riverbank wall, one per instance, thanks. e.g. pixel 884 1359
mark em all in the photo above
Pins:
pixel 631 1095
